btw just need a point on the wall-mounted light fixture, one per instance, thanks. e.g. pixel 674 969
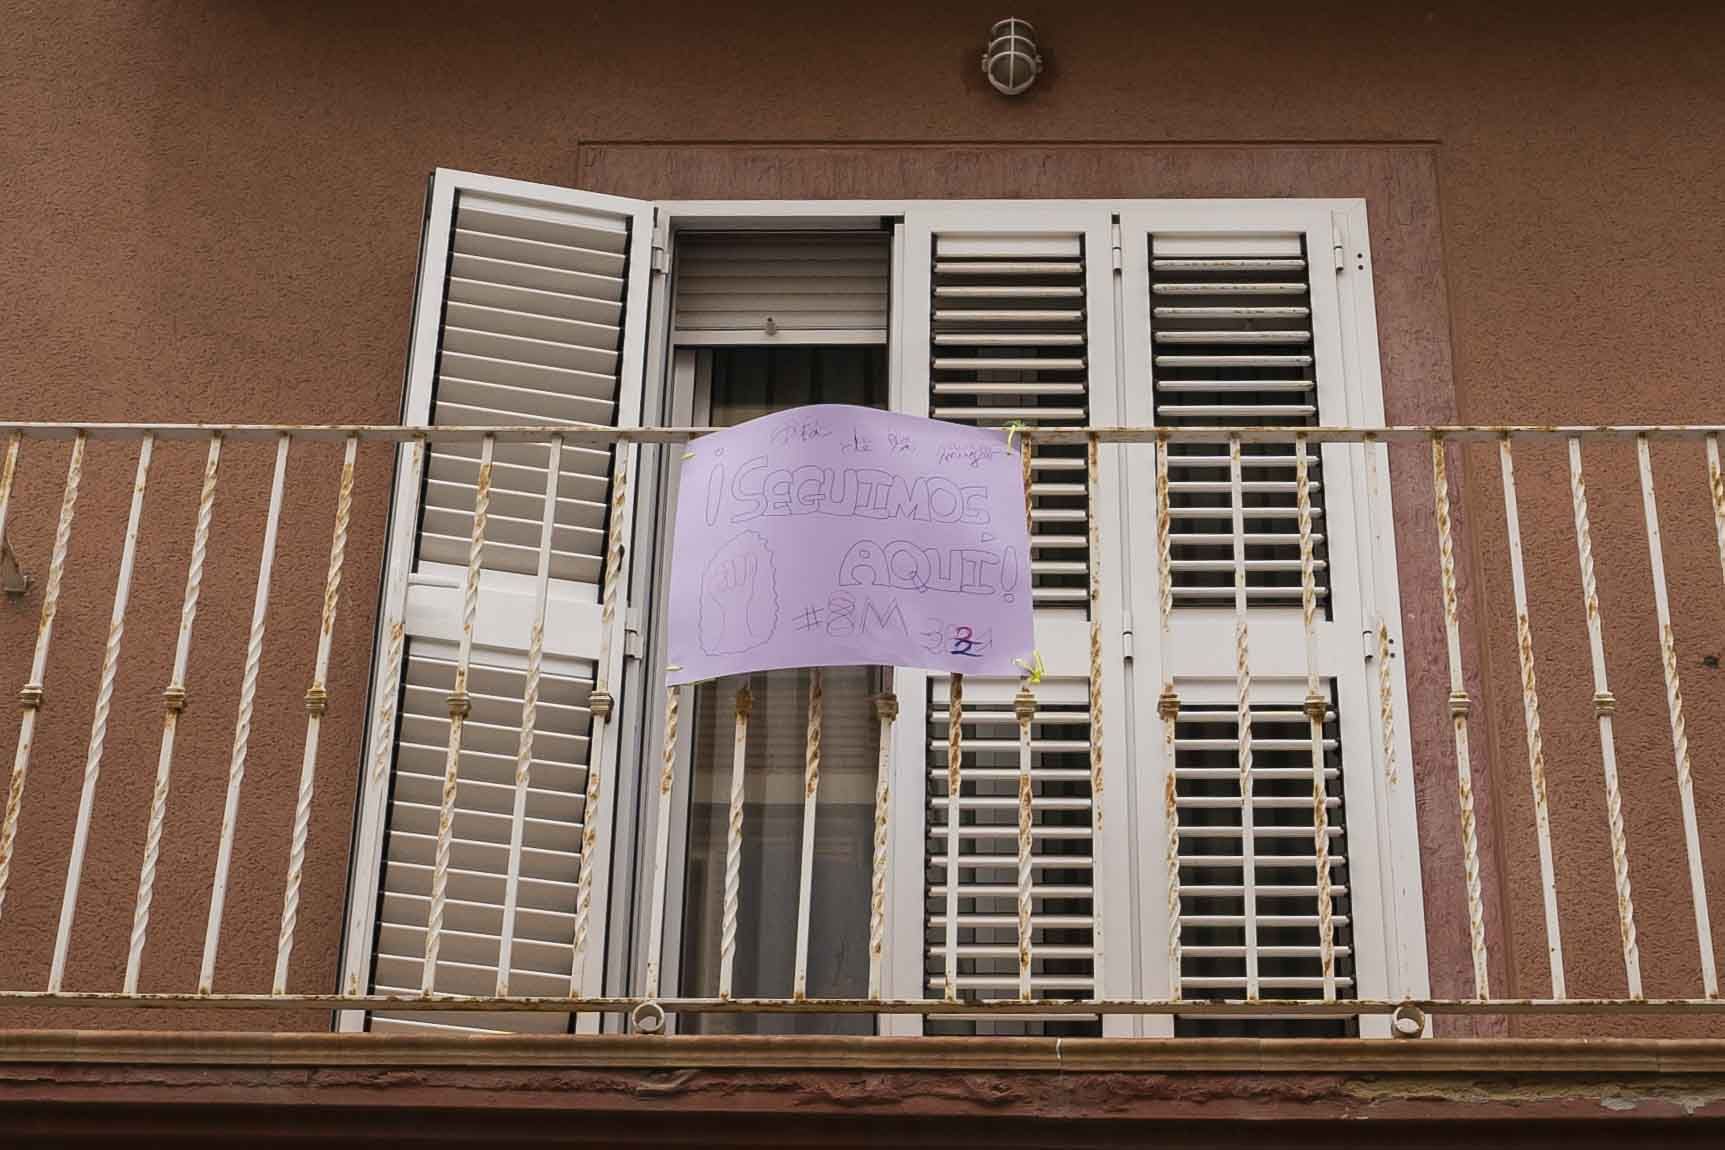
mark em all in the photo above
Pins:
pixel 1011 62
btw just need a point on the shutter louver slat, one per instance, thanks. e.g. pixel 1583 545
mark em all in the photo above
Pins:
pixel 1237 291
pixel 806 289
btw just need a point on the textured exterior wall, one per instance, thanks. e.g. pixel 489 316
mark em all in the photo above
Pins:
pixel 210 211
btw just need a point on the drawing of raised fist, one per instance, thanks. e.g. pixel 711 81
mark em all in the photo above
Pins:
pixel 739 597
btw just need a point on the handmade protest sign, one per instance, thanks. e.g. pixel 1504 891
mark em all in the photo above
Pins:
pixel 830 535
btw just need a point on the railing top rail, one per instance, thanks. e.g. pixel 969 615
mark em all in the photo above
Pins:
pixel 577 433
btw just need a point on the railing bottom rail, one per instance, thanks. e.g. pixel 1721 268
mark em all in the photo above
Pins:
pixel 1047 1006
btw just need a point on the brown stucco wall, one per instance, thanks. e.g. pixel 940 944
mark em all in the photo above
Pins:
pixel 211 212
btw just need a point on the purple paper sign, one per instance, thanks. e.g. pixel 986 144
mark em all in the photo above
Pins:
pixel 829 536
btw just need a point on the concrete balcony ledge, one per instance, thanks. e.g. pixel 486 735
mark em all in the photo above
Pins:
pixel 733 1090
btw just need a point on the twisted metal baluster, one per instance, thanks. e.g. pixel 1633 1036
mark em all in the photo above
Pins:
pixel 1458 709
pixel 1679 732
pixel 174 700
pixel 886 711
pixel 460 706
pixel 1168 710
pixel 30 697
pixel 806 873
pixel 1530 719
pixel 662 841
pixel 1316 707
pixel 1024 707
pixel 394 628
pixel 1604 705
pixel 316 699
pixel 243 721
pixel 99 720
pixel 1092 486
pixel 529 714
pixel 600 702
pixel 734 844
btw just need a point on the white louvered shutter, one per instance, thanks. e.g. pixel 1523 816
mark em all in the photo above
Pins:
pixel 752 288
pixel 531 311
pixel 1009 318
pixel 1233 320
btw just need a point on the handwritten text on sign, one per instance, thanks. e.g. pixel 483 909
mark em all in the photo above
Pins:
pixel 828 536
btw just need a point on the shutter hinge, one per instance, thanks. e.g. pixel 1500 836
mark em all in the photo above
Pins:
pixel 661 248
pixel 632 633
pixel 1126 635
pixel 1369 644
pixel 1114 239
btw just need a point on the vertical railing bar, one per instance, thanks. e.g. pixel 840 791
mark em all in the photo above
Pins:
pixel 1679 734
pixel 1168 709
pixel 1024 707
pixel 1093 552
pixel 30 697
pixel 394 626
pixel 600 702
pixel 529 714
pixel 954 787
pixel 1317 707
pixel 1530 721
pixel 745 702
pixel 460 706
pixel 174 701
pixel 243 719
pixel 1458 709
pixel 1715 489
pixel 886 712
pixel 662 842
pixel 99 719
pixel 1243 721
pixel 8 475
pixel 316 700
pixel 1604 706
pixel 811 792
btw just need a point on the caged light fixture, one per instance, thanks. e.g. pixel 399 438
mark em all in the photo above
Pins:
pixel 1011 62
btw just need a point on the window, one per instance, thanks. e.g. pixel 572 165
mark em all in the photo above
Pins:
pixel 539 305
pixel 737 382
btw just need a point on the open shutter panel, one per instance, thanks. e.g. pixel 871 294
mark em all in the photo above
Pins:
pixel 1236 338
pixel 1014 311
pixel 540 294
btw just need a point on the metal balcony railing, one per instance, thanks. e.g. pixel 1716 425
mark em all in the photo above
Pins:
pixel 648 1003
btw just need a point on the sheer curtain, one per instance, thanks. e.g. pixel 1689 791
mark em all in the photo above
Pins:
pixel 748 382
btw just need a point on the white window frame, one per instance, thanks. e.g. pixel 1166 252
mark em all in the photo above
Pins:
pixel 1132 744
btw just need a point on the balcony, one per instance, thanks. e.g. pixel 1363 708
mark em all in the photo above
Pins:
pixel 178 831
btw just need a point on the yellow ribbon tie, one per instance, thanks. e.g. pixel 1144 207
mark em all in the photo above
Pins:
pixel 1034 668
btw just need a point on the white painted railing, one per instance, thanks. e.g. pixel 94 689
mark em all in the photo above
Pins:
pixel 649 1005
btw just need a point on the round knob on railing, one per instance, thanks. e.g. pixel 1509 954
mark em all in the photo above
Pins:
pixel 648 1018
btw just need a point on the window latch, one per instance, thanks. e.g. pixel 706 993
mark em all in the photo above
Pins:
pixel 632 633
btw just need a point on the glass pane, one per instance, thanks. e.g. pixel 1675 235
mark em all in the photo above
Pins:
pixel 747 382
